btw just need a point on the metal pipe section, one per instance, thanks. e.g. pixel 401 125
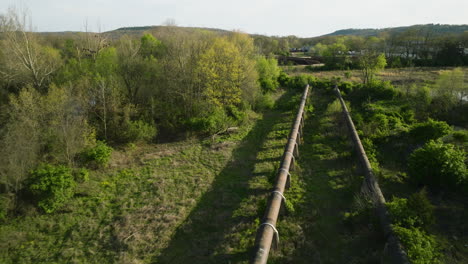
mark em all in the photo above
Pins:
pixel 267 230
pixel 397 253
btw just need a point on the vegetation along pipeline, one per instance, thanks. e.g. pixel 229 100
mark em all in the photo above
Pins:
pixel 371 186
pixel 267 234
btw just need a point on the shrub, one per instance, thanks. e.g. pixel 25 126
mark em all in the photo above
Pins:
pixel 139 131
pixel 438 165
pixel 283 79
pixel 407 114
pixel 460 136
pixel 5 205
pixel 374 91
pixel 431 129
pixel 347 74
pixel 82 175
pixel 264 102
pixel 371 152
pixel 98 155
pixel 379 124
pixel 299 82
pixel 420 247
pixel 53 186
pixel 322 84
pixel 422 208
pixel 216 121
pixel 417 211
pixel 346 87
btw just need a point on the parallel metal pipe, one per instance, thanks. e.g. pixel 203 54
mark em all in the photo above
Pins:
pixel 267 230
pixel 397 253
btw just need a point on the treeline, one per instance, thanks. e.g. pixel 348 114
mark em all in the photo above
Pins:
pixel 409 48
pixel 402 47
pixel 65 99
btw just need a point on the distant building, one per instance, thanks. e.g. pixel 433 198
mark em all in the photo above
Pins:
pixel 302 49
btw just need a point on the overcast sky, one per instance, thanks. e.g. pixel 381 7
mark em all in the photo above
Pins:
pixel 305 18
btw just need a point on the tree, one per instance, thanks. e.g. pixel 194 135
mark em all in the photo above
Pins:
pixel 219 70
pixel 137 67
pixel 25 59
pixel 451 86
pixel 65 128
pixel 371 63
pixel 268 72
pixel 21 141
pixel 335 54
pixel 248 71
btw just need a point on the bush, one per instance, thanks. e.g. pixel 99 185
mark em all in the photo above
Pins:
pixel 283 79
pixel 417 211
pixel 81 175
pixel 431 129
pixel 299 82
pixel 375 91
pixel 460 136
pixel 98 155
pixel 371 152
pixel 422 208
pixel 346 87
pixel 53 186
pixel 264 102
pixel 5 206
pixel 438 165
pixel 215 122
pixel 379 124
pixel 322 84
pixel 420 247
pixel 139 131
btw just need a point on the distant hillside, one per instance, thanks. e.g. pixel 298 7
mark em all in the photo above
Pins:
pixel 139 31
pixel 436 28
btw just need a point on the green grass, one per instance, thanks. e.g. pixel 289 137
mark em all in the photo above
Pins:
pixel 196 201
pixel 324 190
pixel 393 151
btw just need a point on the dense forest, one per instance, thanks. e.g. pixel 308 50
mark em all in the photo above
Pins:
pixel 81 113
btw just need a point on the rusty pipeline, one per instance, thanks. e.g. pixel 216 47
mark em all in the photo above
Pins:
pixel 267 234
pixel 396 251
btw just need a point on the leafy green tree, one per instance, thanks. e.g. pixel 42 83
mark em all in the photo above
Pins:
pixel 137 69
pixel 150 46
pixel 334 54
pixel 248 81
pixel 371 63
pixel 451 87
pixel 268 72
pixel 219 70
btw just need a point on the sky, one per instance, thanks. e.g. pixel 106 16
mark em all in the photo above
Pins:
pixel 303 18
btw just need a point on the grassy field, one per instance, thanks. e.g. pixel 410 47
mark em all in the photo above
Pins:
pixel 194 201
pixel 201 201
pixel 398 76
